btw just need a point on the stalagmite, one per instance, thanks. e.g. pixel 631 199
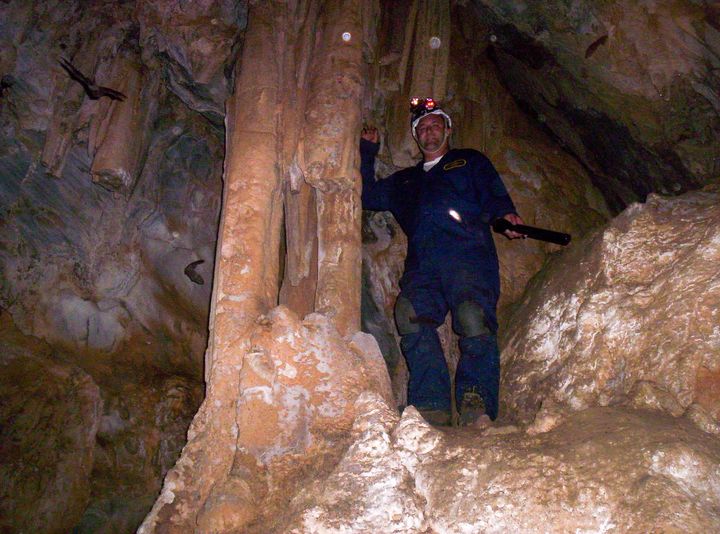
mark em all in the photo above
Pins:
pixel 110 211
pixel 245 280
pixel 232 453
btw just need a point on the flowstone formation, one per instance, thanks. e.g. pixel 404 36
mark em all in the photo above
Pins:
pixel 635 327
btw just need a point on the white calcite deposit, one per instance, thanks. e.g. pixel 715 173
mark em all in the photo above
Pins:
pixel 629 315
pixel 601 470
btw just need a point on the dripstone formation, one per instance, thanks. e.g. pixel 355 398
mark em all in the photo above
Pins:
pixel 186 267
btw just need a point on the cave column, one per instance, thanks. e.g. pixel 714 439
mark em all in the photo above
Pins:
pixel 330 137
pixel 246 275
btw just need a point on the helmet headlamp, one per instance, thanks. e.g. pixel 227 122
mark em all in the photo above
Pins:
pixel 420 107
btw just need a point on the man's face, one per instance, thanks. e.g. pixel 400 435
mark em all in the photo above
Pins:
pixel 430 133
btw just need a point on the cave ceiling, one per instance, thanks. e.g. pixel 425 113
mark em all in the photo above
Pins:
pixel 630 88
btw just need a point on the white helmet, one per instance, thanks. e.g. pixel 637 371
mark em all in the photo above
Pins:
pixel 421 107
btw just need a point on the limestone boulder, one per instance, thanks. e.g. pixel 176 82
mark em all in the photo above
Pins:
pixel 601 469
pixel 629 315
pixel 50 413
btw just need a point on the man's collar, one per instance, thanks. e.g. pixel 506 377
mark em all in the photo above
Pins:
pixel 422 161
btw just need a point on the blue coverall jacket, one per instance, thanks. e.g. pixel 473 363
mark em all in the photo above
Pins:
pixel 449 262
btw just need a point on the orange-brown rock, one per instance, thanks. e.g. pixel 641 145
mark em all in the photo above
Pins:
pixel 49 415
pixel 297 389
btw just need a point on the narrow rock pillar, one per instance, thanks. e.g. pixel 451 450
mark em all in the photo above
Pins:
pixel 332 125
pixel 246 277
pixel 282 73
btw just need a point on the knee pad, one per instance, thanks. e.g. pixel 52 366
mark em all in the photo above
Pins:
pixel 405 317
pixel 471 320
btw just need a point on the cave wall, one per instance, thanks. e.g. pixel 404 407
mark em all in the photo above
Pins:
pixel 630 88
pixel 106 208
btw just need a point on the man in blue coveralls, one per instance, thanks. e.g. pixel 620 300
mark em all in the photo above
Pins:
pixel 445 205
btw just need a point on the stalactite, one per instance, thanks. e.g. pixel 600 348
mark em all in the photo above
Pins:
pixel 118 130
pixel 300 283
pixel 245 277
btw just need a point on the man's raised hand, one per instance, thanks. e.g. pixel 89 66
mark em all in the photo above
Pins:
pixel 370 133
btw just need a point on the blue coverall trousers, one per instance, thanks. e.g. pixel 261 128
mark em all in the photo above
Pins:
pixel 465 287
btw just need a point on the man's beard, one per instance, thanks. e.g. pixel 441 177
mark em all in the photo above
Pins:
pixel 431 145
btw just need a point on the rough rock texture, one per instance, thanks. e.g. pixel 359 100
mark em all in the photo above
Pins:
pixel 600 470
pixel 629 87
pixel 298 384
pixel 49 415
pixel 310 166
pixel 109 216
pixel 141 433
pixel 384 248
pixel 104 202
pixel 106 207
pixel 196 45
pixel 628 315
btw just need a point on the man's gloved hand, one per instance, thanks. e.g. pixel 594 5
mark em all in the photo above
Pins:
pixel 370 133
pixel 513 219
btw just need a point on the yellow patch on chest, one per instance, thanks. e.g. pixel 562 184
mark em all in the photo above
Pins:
pixel 455 164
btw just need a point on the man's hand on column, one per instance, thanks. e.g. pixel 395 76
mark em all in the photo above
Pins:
pixel 370 133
